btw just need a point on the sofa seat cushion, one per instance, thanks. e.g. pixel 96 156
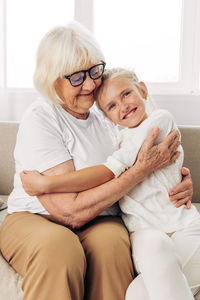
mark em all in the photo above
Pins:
pixel 10 283
pixel 3 202
pixel 197 206
pixel 3 210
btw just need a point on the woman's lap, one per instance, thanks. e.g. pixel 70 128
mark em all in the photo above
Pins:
pixel 107 248
pixel 103 242
pixel 25 233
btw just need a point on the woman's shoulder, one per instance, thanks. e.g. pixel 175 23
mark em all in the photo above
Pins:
pixel 40 115
pixel 39 111
pixel 39 107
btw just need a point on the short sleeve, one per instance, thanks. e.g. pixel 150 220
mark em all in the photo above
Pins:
pixel 40 143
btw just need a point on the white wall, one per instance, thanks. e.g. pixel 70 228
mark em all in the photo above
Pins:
pixel 185 108
pixel 13 104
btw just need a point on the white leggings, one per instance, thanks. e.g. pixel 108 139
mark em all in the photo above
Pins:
pixel 168 267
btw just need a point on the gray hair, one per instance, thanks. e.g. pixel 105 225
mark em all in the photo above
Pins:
pixel 62 51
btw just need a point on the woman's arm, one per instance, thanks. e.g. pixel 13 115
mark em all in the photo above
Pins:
pixel 36 184
pixel 76 209
pixel 182 192
pixel 76 181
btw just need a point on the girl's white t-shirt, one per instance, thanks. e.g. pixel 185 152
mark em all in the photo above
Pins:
pixel 48 136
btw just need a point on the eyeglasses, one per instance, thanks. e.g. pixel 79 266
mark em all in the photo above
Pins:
pixel 79 77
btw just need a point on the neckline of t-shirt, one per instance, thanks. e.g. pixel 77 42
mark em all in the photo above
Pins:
pixel 75 120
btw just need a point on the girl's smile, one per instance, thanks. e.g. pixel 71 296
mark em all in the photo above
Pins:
pixel 130 113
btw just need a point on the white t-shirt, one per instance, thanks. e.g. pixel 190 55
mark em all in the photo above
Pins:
pixel 48 136
pixel 147 204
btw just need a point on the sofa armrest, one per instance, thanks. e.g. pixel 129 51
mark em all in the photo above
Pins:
pixel 8 132
pixel 191 145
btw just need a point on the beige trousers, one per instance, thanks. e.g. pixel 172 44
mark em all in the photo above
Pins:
pixel 57 263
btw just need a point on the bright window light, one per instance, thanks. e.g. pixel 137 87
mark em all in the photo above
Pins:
pixel 144 35
pixel 27 22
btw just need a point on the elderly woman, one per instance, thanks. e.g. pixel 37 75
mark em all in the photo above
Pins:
pixel 70 246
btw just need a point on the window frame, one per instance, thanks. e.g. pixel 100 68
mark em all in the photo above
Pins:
pixel 189 71
pixel 3 74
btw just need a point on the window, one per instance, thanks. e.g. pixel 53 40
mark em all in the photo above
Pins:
pixel 155 37
pixel 145 35
pixel 27 22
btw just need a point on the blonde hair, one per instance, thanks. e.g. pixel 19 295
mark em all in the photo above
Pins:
pixel 62 51
pixel 129 75
pixel 120 72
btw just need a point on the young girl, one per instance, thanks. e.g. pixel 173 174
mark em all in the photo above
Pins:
pixel 165 239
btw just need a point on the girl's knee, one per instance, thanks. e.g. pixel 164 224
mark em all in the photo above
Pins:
pixel 131 292
pixel 136 290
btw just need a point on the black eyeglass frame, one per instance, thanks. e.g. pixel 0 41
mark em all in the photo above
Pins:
pixel 86 71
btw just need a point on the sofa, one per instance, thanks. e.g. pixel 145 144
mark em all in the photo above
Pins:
pixel 10 281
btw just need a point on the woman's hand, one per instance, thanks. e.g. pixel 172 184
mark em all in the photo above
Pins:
pixel 33 182
pixel 182 192
pixel 153 157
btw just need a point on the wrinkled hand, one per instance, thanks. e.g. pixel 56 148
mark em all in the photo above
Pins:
pixel 32 182
pixel 182 193
pixel 154 157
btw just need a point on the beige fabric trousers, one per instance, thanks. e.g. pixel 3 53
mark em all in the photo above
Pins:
pixel 57 263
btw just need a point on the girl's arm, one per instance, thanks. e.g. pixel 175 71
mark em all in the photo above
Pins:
pixel 76 209
pixel 36 184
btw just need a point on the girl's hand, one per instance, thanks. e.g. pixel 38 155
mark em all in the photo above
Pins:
pixel 33 182
pixel 153 157
pixel 182 192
